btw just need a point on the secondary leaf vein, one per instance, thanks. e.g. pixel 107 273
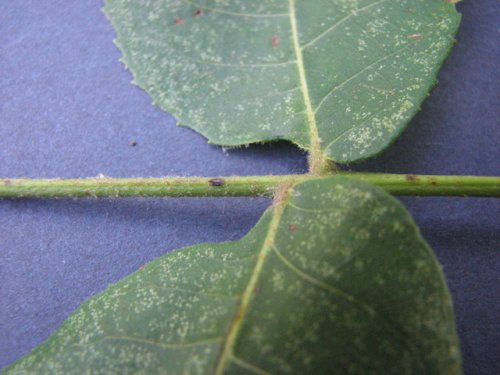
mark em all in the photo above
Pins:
pixel 340 22
pixel 354 76
pixel 249 366
pixel 312 280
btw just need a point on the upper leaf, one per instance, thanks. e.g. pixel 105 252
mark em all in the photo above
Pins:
pixel 335 278
pixel 338 78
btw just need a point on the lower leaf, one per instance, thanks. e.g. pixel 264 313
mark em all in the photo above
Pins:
pixel 334 278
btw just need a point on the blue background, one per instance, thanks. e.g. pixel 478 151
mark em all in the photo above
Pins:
pixel 67 109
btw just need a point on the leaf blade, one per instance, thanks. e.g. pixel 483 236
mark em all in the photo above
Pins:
pixel 340 79
pixel 337 280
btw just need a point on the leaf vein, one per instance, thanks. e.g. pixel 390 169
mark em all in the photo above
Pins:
pixel 354 76
pixel 249 366
pixel 315 144
pixel 234 327
pixel 398 332
pixel 312 280
pixel 340 22
pixel 355 127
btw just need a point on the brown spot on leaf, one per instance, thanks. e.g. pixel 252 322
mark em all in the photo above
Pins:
pixel 411 178
pixel 293 228
pixel 141 268
pixel 415 36
pixel 275 41
pixel 199 12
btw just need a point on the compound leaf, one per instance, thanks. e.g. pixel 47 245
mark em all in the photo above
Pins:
pixel 334 278
pixel 339 78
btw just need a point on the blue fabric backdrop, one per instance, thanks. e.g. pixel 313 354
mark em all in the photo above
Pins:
pixel 67 109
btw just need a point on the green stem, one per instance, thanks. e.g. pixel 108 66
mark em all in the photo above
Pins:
pixel 141 187
pixel 425 185
pixel 239 186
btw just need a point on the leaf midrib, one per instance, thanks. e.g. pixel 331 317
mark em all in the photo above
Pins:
pixel 315 154
pixel 267 246
pixel 317 160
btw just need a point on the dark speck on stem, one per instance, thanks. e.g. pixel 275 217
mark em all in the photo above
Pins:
pixel 216 182
pixel 411 178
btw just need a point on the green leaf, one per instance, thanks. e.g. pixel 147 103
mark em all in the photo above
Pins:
pixel 339 78
pixel 334 278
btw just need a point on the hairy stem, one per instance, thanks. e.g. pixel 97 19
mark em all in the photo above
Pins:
pixel 251 186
